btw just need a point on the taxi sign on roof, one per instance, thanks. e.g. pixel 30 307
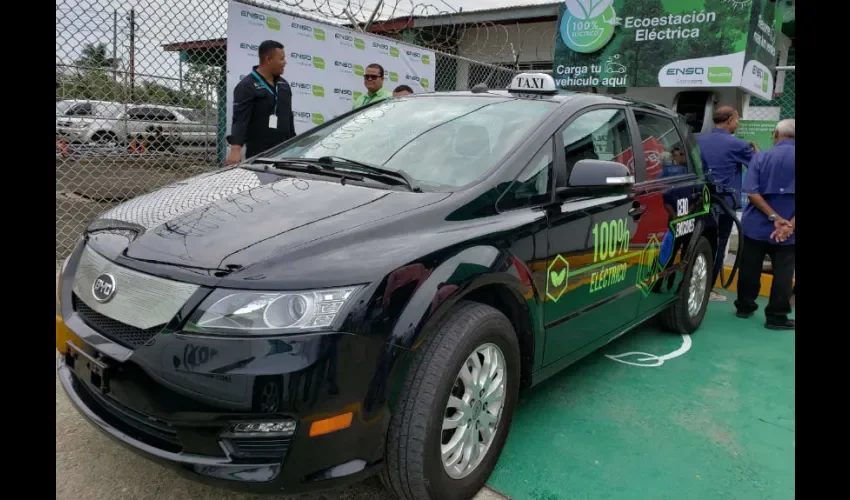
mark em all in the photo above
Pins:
pixel 533 83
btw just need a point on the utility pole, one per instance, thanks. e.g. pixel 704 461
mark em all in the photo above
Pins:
pixel 115 44
pixel 132 19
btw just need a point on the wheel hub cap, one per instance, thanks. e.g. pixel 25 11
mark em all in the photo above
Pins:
pixel 473 411
pixel 697 286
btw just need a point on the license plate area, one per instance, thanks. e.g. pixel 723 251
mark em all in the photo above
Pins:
pixel 88 369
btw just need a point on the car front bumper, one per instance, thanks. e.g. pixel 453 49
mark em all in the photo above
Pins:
pixel 190 440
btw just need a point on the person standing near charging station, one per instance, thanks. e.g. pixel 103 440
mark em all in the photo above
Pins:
pixel 726 156
pixel 262 106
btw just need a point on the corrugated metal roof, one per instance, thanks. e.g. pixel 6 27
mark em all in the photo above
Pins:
pixel 512 13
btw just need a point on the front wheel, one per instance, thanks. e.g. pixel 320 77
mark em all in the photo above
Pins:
pixel 687 313
pixel 458 402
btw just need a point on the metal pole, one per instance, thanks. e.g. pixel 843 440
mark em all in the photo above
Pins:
pixel 115 44
pixel 372 17
pixel 132 52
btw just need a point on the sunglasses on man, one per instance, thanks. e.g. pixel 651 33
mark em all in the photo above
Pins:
pixel 371 77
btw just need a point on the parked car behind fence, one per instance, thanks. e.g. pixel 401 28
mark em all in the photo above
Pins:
pixel 115 124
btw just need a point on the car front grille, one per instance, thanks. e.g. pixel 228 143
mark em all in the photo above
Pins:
pixel 116 331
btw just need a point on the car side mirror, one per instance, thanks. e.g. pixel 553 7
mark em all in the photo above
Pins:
pixel 597 177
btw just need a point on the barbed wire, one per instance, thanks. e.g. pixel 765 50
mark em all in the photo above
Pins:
pixel 445 28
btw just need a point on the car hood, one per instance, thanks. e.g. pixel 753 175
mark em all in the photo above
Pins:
pixel 235 218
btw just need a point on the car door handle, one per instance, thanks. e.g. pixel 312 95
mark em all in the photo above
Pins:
pixel 637 211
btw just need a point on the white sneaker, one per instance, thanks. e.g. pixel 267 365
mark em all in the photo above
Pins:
pixel 716 297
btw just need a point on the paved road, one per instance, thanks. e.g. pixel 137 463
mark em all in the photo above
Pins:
pixel 90 466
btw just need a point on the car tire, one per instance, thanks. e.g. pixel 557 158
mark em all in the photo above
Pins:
pixel 687 312
pixel 414 467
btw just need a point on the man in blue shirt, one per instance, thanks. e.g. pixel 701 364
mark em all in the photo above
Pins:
pixel 769 224
pixel 725 154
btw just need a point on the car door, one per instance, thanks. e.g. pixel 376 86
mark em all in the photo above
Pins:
pixel 671 194
pixel 137 120
pixel 526 199
pixel 592 260
pixel 169 124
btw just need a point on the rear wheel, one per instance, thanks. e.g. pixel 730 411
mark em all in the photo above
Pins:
pixel 687 313
pixel 459 396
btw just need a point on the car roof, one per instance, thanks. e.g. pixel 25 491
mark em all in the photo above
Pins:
pixel 561 97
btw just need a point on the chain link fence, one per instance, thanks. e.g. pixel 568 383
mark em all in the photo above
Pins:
pixel 782 104
pixel 141 100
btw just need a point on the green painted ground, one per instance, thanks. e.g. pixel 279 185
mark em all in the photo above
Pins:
pixel 715 422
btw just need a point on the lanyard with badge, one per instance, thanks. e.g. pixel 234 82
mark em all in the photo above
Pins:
pixel 273 117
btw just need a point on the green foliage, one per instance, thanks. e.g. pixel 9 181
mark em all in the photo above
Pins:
pixel 98 77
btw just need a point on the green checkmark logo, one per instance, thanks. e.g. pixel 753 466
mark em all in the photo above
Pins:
pixel 556 285
pixel 558 278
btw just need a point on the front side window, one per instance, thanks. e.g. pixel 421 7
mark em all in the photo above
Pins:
pixel 138 113
pixel 533 186
pixel 601 134
pixel 664 151
pixel 80 109
pixel 443 142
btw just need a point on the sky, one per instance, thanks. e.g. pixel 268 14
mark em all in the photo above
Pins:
pixel 82 22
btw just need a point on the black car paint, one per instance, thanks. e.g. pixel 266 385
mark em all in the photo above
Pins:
pixel 417 254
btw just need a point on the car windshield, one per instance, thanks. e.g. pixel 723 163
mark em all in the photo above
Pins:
pixel 444 142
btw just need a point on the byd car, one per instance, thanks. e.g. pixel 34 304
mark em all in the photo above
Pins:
pixel 371 296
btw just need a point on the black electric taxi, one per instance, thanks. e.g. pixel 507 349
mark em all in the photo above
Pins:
pixel 370 297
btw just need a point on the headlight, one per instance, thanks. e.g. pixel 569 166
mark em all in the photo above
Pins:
pixel 230 312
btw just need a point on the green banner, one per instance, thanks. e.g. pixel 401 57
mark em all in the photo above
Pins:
pixel 760 56
pixel 759 132
pixel 656 43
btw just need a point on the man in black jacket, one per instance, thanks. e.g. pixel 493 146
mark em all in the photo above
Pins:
pixel 262 106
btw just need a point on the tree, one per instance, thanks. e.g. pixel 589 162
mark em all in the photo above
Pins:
pixel 96 57
pixel 201 81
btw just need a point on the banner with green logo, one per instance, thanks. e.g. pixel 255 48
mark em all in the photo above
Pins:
pixel 663 43
pixel 324 63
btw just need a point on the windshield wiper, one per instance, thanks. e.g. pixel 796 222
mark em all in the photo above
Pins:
pixel 308 166
pixel 376 170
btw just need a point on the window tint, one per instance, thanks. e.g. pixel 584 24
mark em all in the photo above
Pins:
pixel 138 113
pixel 534 184
pixel 165 115
pixel 602 134
pixel 663 149
pixel 192 115
pixel 81 109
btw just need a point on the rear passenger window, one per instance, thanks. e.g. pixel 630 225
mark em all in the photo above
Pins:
pixel 534 184
pixel 663 149
pixel 602 134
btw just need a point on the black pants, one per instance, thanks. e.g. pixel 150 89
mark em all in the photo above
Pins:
pixel 724 230
pixel 749 278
